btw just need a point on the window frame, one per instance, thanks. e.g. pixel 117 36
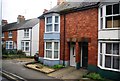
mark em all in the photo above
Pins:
pixel 104 54
pixel 10 34
pixel 23 48
pixel 26 33
pixel 104 16
pixel 52 49
pixel 53 23
pixel 8 44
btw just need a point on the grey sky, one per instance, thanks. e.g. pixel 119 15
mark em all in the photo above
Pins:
pixel 29 8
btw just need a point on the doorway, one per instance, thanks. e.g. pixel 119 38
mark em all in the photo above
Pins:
pixel 84 54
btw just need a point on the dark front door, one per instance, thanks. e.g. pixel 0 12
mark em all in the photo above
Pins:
pixel 84 54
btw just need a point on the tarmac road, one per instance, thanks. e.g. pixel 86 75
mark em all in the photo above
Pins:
pixel 17 68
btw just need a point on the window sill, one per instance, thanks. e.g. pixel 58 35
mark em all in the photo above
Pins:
pixel 50 59
pixel 108 69
pixel 9 37
pixel 51 32
pixel 109 29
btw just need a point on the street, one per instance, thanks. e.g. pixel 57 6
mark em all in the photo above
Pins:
pixel 17 68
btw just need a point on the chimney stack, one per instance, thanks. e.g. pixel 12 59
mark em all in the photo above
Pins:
pixel 45 10
pixel 4 22
pixel 20 19
pixel 60 1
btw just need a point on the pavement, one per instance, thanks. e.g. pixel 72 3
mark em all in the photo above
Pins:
pixel 16 66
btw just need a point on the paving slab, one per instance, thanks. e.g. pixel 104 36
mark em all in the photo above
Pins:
pixel 68 73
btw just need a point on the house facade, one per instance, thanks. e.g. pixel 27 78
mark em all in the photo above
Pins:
pixel 28 36
pixel 21 35
pixel 78 35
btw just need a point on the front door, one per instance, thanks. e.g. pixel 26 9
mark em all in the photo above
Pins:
pixel 84 54
pixel 72 55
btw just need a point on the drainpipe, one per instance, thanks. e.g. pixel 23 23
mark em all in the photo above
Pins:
pixel 64 40
pixel 31 43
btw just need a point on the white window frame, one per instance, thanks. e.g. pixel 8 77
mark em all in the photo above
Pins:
pixel 10 34
pixel 26 33
pixel 8 44
pixel 23 48
pixel 52 50
pixel 103 56
pixel 3 35
pixel 104 16
pixel 53 23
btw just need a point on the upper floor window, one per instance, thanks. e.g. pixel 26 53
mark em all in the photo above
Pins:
pixel 26 33
pixel 52 24
pixel 2 35
pixel 10 34
pixel 110 16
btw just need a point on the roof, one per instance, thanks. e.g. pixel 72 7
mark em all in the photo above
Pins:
pixel 15 26
pixel 67 7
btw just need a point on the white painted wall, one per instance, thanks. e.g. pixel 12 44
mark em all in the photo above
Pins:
pixel 109 34
pixel 35 39
pixel 20 37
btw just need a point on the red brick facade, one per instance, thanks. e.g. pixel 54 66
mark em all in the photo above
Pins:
pixel 78 25
pixel 14 36
pixel 41 37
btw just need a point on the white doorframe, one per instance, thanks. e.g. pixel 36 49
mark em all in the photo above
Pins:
pixel 72 56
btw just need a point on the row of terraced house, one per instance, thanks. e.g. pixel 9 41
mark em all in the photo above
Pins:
pixel 82 35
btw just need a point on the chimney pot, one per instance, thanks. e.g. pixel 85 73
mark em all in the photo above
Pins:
pixel 4 22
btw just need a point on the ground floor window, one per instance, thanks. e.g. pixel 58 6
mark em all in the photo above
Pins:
pixel 25 46
pixel 109 56
pixel 51 50
pixel 9 44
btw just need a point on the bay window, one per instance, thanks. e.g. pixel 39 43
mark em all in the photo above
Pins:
pixel 51 50
pixel 109 56
pixel 110 16
pixel 52 24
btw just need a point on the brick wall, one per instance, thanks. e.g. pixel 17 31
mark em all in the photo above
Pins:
pixel 41 37
pixel 80 24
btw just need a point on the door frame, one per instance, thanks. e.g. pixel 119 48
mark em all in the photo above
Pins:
pixel 72 45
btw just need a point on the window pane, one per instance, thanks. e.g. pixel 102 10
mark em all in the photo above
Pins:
pixel 26 48
pixel 116 9
pixel 48 45
pixel 48 54
pixel 109 10
pixel 49 19
pixel 48 28
pixel 56 19
pixel 116 21
pixel 116 62
pixel 100 47
pixel 55 54
pixel 100 59
pixel 101 12
pixel 108 61
pixel 101 23
pixel 56 27
pixel 116 48
pixel 27 44
pixel 108 48
pixel 56 45
pixel 108 22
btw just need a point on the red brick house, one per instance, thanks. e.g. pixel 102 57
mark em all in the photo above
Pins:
pixel 69 35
